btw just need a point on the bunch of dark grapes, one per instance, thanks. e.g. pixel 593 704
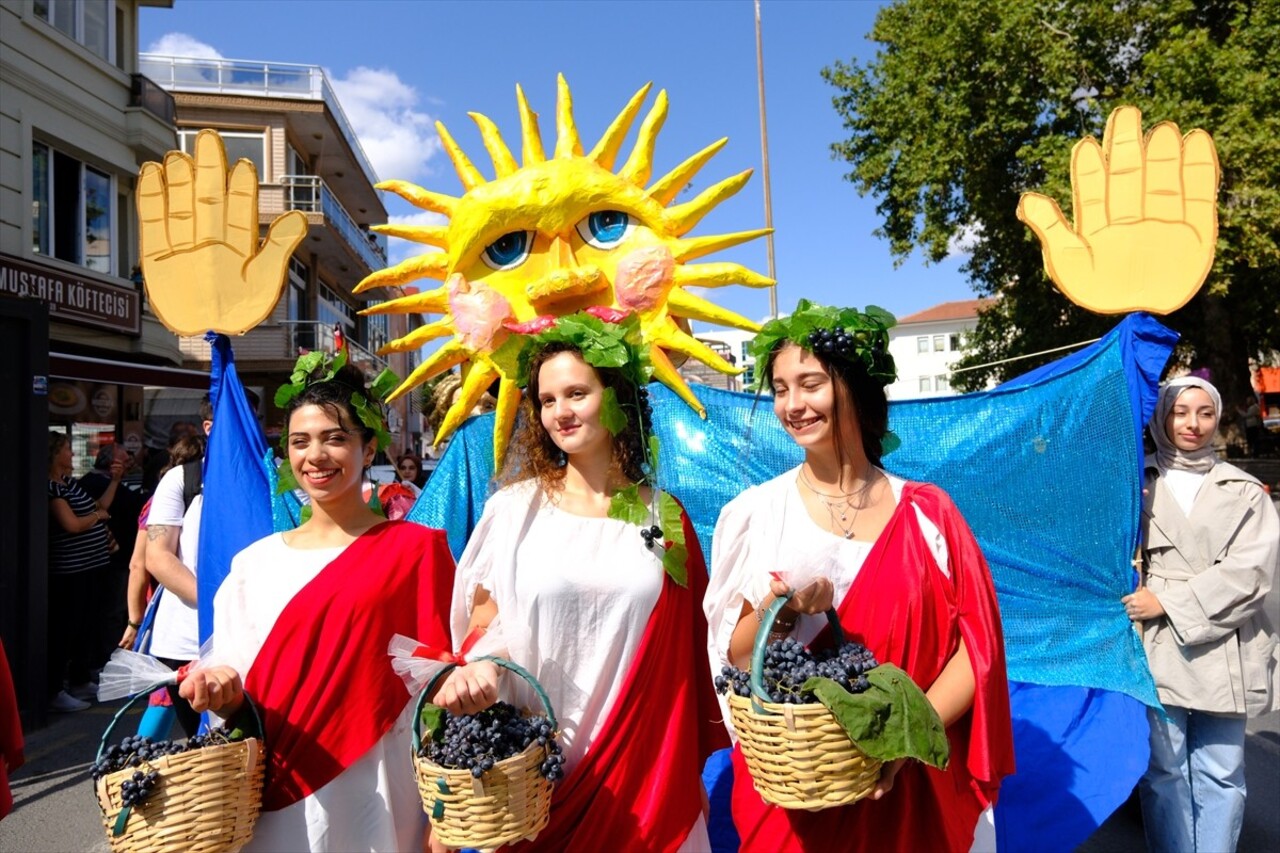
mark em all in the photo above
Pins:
pixel 651 535
pixel 838 344
pixel 788 665
pixel 134 751
pixel 646 409
pixel 476 742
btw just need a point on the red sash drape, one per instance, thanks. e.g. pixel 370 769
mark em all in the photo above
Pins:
pixel 322 681
pixel 908 613
pixel 11 757
pixel 639 787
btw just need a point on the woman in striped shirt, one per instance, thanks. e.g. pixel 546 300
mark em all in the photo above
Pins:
pixel 78 547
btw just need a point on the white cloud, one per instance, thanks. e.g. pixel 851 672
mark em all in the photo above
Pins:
pixel 398 139
pixel 399 250
pixel 963 241
pixel 181 44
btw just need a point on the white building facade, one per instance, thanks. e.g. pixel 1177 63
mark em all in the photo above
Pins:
pixel 927 344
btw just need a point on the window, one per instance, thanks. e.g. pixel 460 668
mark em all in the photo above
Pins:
pixel 955 341
pixel 925 386
pixel 939 343
pixel 89 22
pixel 73 210
pixel 332 311
pixel 239 144
pixel 941 383
pixel 379 330
pixel 922 343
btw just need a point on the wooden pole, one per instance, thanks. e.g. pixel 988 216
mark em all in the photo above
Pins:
pixel 764 158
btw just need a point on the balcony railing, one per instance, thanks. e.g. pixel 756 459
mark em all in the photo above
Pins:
pixel 310 194
pixel 307 335
pixel 146 93
pixel 264 79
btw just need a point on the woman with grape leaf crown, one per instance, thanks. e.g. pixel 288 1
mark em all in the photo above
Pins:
pixel 302 622
pixel 897 562
pixel 604 572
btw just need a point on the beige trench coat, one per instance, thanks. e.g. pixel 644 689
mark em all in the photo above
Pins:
pixel 1215 572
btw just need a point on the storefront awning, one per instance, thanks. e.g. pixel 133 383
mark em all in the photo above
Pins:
pixel 66 366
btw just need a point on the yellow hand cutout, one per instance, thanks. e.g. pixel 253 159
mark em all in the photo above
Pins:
pixel 1146 218
pixel 198 238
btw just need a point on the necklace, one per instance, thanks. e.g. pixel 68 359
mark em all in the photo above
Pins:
pixel 839 506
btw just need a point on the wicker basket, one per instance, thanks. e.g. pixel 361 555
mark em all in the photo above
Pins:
pixel 206 800
pixel 798 755
pixel 509 802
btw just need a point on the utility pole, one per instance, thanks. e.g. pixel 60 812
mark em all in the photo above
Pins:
pixel 764 157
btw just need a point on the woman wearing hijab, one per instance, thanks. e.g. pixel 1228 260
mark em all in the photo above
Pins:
pixel 1208 612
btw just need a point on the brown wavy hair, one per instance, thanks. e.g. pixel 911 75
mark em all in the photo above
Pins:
pixel 534 456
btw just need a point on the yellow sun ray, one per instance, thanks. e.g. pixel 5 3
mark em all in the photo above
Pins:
pixel 431 265
pixel 479 378
pixel 665 372
pixel 684 304
pixel 547 198
pixel 640 164
pixel 606 150
pixel 434 301
pixel 448 356
pixel 670 184
pixel 719 274
pixel 505 416
pixel 467 172
pixel 531 151
pixel 430 235
pixel 677 340
pixel 683 217
pixel 418 337
pixel 568 143
pixel 503 163
pixel 697 247
pixel 419 197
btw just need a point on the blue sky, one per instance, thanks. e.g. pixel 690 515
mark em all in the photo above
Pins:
pixel 400 64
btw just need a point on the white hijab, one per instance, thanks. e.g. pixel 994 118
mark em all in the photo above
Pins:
pixel 1168 456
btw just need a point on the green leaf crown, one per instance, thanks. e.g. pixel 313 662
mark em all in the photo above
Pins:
pixel 840 334
pixel 615 345
pixel 319 366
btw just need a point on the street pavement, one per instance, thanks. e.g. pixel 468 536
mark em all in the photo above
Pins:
pixel 55 809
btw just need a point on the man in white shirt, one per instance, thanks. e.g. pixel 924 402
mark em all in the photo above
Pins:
pixel 173 536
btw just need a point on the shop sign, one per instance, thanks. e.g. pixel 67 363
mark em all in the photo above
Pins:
pixel 70 297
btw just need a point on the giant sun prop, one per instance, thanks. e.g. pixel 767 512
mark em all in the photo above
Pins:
pixel 558 234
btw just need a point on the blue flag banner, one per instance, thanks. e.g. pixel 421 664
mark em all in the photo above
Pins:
pixel 237 493
pixel 1046 469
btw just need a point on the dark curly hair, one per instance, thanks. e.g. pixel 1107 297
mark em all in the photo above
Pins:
pixel 533 455
pixel 334 396
pixel 863 400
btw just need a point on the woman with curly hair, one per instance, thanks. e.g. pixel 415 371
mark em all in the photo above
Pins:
pixel 612 632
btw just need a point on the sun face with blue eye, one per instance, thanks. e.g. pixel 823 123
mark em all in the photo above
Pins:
pixel 605 229
pixel 509 251
pixel 562 232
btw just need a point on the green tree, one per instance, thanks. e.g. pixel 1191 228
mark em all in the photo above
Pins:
pixel 969 103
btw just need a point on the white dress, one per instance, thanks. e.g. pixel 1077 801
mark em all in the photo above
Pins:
pixel 767 528
pixel 574 596
pixel 374 803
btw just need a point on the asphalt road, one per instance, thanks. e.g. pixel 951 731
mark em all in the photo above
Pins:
pixel 55 809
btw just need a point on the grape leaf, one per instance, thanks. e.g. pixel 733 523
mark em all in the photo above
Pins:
pixel 627 506
pixel 432 722
pixel 612 417
pixel 892 719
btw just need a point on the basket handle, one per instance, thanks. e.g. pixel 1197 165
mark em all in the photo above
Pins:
pixel 106 735
pixel 759 694
pixel 503 663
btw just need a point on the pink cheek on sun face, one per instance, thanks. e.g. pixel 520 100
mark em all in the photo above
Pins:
pixel 478 311
pixel 643 278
